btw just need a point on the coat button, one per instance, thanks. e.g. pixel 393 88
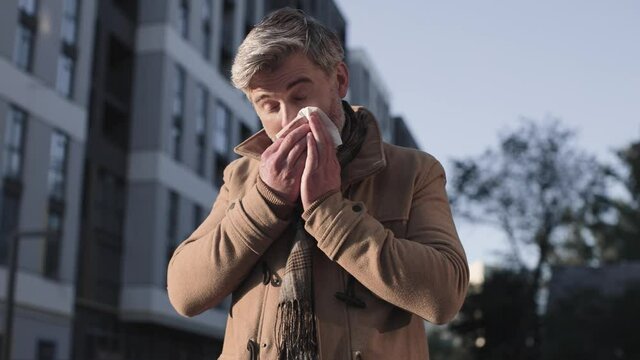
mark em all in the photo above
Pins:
pixel 356 208
pixel 276 281
pixel 357 355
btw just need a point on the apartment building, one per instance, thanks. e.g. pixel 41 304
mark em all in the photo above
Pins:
pixel 45 61
pixel 117 119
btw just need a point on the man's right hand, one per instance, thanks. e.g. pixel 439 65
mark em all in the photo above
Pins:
pixel 282 163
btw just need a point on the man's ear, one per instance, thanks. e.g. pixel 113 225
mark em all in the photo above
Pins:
pixel 342 77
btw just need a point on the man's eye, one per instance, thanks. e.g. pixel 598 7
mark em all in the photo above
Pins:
pixel 270 107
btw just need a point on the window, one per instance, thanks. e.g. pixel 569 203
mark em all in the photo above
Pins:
pixel 119 70
pixel 66 60
pixel 245 132
pixel 228 25
pixel 28 6
pixel 55 223
pixel 183 18
pixel 207 15
pixel 220 163
pixel 197 216
pixel 221 129
pixel 8 222
pixel 58 164
pixel 201 120
pixel 25 34
pixel 46 350
pixel 23 51
pixel 109 205
pixel 115 126
pixel 14 143
pixel 172 223
pixel 178 113
pixel 64 79
pixel 128 8
pixel 249 16
pixel 69 21
pixel 221 142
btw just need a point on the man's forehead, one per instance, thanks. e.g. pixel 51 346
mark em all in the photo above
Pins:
pixel 291 69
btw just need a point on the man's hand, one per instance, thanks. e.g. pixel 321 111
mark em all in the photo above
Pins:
pixel 321 170
pixel 283 162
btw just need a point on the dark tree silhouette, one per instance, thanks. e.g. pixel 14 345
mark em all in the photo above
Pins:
pixel 616 220
pixel 538 188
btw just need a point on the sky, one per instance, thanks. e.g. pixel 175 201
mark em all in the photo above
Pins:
pixel 462 72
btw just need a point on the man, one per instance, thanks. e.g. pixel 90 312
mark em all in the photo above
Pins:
pixel 327 254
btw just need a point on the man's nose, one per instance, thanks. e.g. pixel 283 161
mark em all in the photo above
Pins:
pixel 288 113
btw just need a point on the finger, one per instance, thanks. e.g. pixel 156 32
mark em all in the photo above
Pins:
pixel 299 166
pixel 294 124
pixel 312 154
pixel 272 148
pixel 320 134
pixel 315 130
pixel 290 140
pixel 294 154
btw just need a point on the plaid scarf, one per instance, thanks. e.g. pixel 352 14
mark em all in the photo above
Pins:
pixel 295 325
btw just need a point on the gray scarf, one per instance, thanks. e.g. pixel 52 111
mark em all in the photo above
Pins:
pixel 295 325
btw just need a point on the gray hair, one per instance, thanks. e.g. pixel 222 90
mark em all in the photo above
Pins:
pixel 280 34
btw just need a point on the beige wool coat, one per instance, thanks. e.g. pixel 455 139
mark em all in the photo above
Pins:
pixel 387 257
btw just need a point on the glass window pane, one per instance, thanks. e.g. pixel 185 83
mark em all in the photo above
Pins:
pixel 10 206
pixel 23 47
pixel 178 96
pixel 28 6
pixel 202 106
pixel 70 8
pixel 69 19
pixel 173 217
pixel 57 165
pixel 221 129
pixel 14 143
pixel 206 42
pixel 69 30
pixel 207 10
pixel 65 75
pixel 175 141
pixel 183 18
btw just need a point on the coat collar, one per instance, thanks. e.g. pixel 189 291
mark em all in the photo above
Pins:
pixel 369 160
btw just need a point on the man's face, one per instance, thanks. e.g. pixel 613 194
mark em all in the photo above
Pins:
pixel 277 96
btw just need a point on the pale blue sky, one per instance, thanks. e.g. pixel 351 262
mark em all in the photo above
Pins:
pixel 460 71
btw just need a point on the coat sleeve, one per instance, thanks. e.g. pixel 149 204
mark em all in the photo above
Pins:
pixel 425 273
pixel 218 255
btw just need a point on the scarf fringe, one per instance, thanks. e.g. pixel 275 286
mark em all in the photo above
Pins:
pixel 296 331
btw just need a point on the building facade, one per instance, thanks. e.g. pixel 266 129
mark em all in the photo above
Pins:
pixel 117 120
pixel 164 119
pixel 366 88
pixel 45 62
pixel 402 135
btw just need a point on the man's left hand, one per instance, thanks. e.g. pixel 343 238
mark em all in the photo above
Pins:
pixel 321 170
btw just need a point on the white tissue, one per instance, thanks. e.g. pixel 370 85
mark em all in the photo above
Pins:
pixel 305 113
